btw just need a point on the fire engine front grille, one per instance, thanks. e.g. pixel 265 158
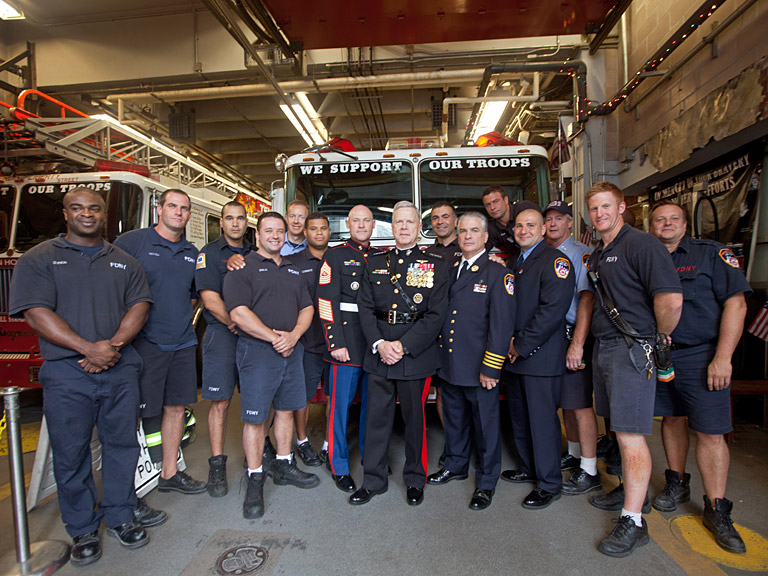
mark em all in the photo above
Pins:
pixel 5 289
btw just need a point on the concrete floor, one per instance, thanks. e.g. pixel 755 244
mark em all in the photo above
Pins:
pixel 442 536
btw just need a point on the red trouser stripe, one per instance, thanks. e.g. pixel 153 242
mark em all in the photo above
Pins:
pixel 424 394
pixel 331 416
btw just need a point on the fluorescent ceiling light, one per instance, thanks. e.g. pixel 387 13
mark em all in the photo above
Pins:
pixel 306 120
pixel 488 118
pixel 8 12
pixel 292 116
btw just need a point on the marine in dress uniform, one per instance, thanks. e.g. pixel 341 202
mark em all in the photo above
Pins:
pixel 87 300
pixel 341 275
pixel 544 284
pixel 402 303
pixel 714 308
pixel 473 345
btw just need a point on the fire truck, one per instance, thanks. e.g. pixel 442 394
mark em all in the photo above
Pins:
pixel 42 158
pixel 334 178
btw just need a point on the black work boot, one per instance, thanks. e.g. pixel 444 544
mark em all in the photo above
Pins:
pixel 717 520
pixel 614 500
pixel 286 472
pixel 268 457
pixel 676 491
pixel 217 476
pixel 253 505
pixel 624 538
pixel 613 460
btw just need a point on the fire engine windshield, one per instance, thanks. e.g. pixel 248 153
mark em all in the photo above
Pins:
pixel 7 193
pixel 461 182
pixel 41 217
pixel 334 188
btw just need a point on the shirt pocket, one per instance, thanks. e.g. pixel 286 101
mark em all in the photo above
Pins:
pixel 688 282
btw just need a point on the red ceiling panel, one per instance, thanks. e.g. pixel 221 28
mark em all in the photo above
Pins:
pixel 336 23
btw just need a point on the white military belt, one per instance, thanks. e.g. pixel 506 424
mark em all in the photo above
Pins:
pixel 348 307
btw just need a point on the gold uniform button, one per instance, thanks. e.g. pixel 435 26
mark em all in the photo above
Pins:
pixel 333 345
pixel 441 345
pixel 345 323
pixel 354 273
pixel 452 321
pixel 399 275
pixel 451 330
pixel 394 305
pixel 330 336
pixel 449 339
pixel 397 291
pixel 400 261
pixel 454 312
pixel 378 282
pixel 450 350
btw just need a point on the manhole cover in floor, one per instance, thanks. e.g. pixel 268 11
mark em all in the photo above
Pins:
pixel 242 560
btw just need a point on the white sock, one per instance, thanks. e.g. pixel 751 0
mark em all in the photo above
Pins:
pixel 289 457
pixel 574 449
pixel 258 470
pixel 325 446
pixel 637 517
pixel 589 465
pixel 302 441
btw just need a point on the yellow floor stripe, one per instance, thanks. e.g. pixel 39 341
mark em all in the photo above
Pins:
pixel 660 529
pixel 29 434
pixel 692 531
pixel 5 489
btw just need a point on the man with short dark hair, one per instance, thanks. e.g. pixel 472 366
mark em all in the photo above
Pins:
pixel 167 343
pixel 269 301
pixel 344 344
pixel 501 225
pixel 636 277
pixel 308 261
pixel 87 300
pixel 714 307
pixel 295 215
pixel 576 392
pixel 219 367
pixel 473 345
pixel 402 303
pixel 544 283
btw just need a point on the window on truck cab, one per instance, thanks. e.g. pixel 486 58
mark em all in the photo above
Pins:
pixel 333 188
pixel 461 181
pixel 7 194
pixel 41 217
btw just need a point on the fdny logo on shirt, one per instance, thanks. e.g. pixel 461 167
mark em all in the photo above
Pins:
pixel 585 260
pixel 562 268
pixel 728 257
pixel 200 262
pixel 292 271
pixel 509 284
pixel 189 259
pixel 119 265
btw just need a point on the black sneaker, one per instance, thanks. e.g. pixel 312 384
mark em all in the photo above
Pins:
pixel 323 455
pixel 581 482
pixel 181 482
pixel 130 535
pixel 217 476
pixel 286 472
pixel 677 490
pixel 568 462
pixel 308 454
pixel 253 505
pixel 717 520
pixel 624 538
pixel 147 516
pixel 614 500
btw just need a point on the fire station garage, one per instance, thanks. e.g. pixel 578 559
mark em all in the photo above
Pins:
pixel 338 104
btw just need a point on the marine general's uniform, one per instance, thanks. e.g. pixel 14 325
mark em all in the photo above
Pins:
pixel 475 340
pixel 544 288
pixel 710 275
pixel 340 279
pixel 384 315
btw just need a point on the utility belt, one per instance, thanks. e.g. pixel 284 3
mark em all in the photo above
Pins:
pixel 656 346
pixel 675 346
pixel 395 317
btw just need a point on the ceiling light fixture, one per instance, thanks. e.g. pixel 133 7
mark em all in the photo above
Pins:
pixel 8 12
pixel 488 118
pixel 300 113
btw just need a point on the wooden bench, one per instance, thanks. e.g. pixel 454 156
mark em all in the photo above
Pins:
pixel 747 388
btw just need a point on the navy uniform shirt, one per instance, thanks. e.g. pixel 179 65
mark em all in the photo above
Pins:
pixel 578 254
pixel 710 275
pixel 276 294
pixel 633 268
pixel 479 324
pixel 309 266
pixel 91 294
pixel 502 238
pixel 170 269
pixel 450 252
pixel 338 286
pixel 425 279
pixel 211 268
pixel 544 284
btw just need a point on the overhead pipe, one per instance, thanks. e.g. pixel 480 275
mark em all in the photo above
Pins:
pixel 703 13
pixel 472 100
pixel 708 39
pixel 437 77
